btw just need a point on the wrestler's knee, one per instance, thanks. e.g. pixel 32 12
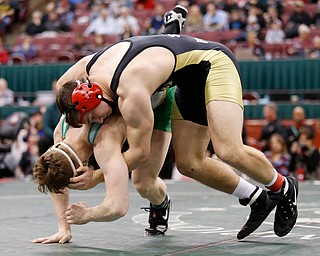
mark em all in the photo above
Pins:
pixel 142 186
pixel 188 166
pixel 229 155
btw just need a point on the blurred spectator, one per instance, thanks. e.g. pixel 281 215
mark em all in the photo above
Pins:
pixel 194 21
pixel 35 26
pixel 50 8
pixel 104 24
pixel 80 47
pixel 157 18
pixel 127 32
pixel 298 17
pixel 256 9
pixel 275 33
pixel 273 125
pixel 277 4
pixel 214 19
pixel 314 51
pixel 271 16
pixel 28 158
pixel 300 45
pixel 125 18
pixel 29 152
pixel 55 24
pixel 237 20
pixel 6 16
pixel 298 122
pixel 98 43
pixel 305 155
pixel 316 17
pixel 229 6
pixel 278 154
pixel 252 50
pixel 26 48
pixel 144 4
pixel 6 94
pixel 50 120
pixel 4 53
pixel 147 28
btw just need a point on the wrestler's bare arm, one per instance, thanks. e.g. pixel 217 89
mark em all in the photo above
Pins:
pixel 136 109
pixel 76 71
pixel 107 151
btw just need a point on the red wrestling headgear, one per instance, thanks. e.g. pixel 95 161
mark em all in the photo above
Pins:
pixel 87 96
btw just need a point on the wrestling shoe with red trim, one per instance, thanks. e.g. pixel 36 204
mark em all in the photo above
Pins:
pixel 287 210
pixel 260 210
pixel 158 219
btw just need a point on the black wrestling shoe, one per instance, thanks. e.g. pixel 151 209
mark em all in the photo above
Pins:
pixel 260 210
pixel 287 211
pixel 158 219
pixel 178 15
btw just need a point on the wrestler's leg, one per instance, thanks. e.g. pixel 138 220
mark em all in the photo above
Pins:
pixel 191 159
pixel 225 123
pixel 145 178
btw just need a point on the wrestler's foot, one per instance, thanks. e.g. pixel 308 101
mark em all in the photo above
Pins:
pixel 177 15
pixel 260 209
pixel 158 218
pixel 287 211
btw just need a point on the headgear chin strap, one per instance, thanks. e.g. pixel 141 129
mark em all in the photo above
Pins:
pixel 87 96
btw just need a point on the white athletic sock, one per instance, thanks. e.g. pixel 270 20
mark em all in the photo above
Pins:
pixel 245 190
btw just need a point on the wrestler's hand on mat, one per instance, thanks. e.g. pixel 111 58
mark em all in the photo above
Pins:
pixel 78 213
pixel 60 237
pixel 84 179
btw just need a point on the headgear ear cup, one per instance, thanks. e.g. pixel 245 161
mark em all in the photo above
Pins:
pixel 85 97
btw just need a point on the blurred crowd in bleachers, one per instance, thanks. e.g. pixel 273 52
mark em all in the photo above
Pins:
pixel 64 31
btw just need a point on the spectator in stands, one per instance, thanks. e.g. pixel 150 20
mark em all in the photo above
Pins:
pixel 50 8
pixel 298 17
pixel 316 17
pixel 6 94
pixel 214 19
pixel 194 22
pixel 314 52
pixel 54 23
pixel 104 24
pixel 144 4
pixel 4 53
pixel 252 50
pixel 26 48
pixel 157 17
pixel 278 154
pixel 98 43
pixel 305 154
pixel 125 18
pixel 127 32
pixel 33 131
pixel 273 125
pixel 50 120
pixel 229 6
pixel 6 16
pixel 237 20
pixel 35 26
pixel 298 123
pixel 271 16
pixel 80 47
pixel 299 47
pixel 147 28
pixel 275 33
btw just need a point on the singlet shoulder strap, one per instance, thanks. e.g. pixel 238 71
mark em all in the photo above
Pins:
pixel 93 132
pixel 65 127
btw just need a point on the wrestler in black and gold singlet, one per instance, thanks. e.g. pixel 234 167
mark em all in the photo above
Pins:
pixel 204 71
